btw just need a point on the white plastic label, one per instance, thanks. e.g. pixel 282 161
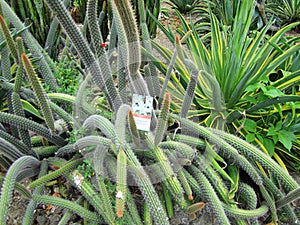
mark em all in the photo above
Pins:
pixel 142 107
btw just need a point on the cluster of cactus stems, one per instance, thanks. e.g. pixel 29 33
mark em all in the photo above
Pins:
pixel 186 165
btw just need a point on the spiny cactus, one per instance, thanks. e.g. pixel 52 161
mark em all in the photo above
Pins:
pixel 290 197
pixel 20 70
pixel 10 178
pixel 39 91
pixel 16 142
pixel 9 150
pixel 18 110
pixel 162 120
pixel 121 183
pixel 28 217
pixel 85 53
pixel 257 155
pixel 31 125
pixel 187 166
pixel 208 193
pixel 67 216
pixel 33 46
pixel 84 213
pixel 153 81
pixel 124 10
pixel 66 168
pixel 9 40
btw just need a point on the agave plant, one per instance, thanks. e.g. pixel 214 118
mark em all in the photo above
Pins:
pixel 175 157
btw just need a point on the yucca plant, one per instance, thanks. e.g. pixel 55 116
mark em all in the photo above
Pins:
pixel 226 11
pixel 287 11
pixel 176 158
pixel 229 67
pixel 183 6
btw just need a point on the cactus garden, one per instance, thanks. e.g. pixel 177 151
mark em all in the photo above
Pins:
pixel 150 112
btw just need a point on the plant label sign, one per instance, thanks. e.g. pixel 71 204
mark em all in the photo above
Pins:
pixel 142 107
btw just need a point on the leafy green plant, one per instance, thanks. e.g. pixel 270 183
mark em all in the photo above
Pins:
pixel 183 6
pixel 229 67
pixel 287 11
pixel 226 11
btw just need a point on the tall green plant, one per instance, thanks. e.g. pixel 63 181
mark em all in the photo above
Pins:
pixel 287 11
pixel 183 6
pixel 230 65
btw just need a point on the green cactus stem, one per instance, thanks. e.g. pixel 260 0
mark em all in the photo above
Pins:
pixel 9 182
pixel 121 183
pixel 39 92
pixel 83 212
